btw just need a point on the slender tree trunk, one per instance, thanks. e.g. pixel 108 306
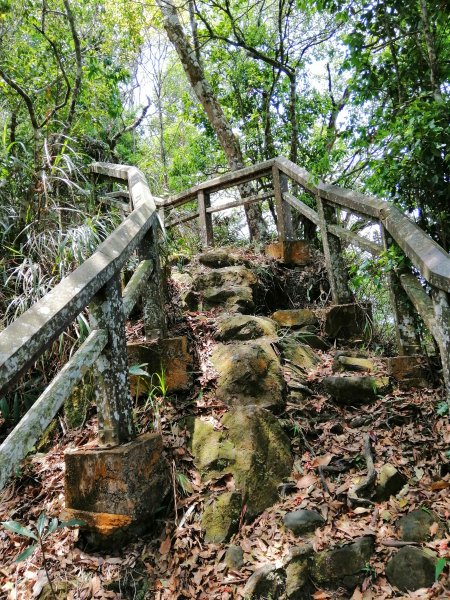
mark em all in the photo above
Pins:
pixel 211 106
pixel 429 40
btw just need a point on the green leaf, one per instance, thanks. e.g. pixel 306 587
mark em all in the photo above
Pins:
pixel 136 370
pixel 40 525
pixel 72 523
pixel 53 525
pixel 440 566
pixel 26 553
pixel 15 527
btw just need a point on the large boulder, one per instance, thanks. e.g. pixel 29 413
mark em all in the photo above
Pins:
pixel 249 373
pixel 251 446
pixel 342 565
pixel 244 327
pixel 411 569
pixel 355 389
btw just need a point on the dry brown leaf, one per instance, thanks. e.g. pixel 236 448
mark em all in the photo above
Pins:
pixel 322 461
pixel 165 545
pixel 306 481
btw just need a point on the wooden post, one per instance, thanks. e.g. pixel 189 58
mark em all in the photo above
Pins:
pixel 115 417
pixel 442 315
pixel 153 291
pixel 205 219
pixel 332 249
pixel 284 214
pixel 408 340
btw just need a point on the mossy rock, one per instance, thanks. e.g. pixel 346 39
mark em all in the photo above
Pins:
pixel 263 456
pixel 244 327
pixel 301 355
pixel 415 526
pixel 220 518
pixel 355 389
pixel 219 258
pixel 412 568
pixel 226 277
pixel 252 447
pixel 249 373
pixel 295 317
pixel 342 565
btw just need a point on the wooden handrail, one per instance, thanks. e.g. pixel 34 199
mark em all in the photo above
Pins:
pixel 95 282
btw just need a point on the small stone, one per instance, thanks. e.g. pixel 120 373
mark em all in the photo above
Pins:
pixel 297 572
pixel 220 518
pixel 234 557
pixel 343 565
pixel 415 526
pixel 355 390
pixel 303 521
pixel 390 482
pixel 295 318
pixel 244 327
pixel 350 363
pixel 411 569
pixel 267 582
pixel 219 258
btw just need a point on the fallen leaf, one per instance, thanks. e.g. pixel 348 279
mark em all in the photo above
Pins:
pixel 165 546
pixel 322 461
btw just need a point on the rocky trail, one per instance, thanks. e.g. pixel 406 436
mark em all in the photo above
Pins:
pixel 304 465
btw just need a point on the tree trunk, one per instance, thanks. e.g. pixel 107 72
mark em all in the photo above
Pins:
pixel 216 116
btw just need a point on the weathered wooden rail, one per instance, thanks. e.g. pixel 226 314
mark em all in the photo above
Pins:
pixel 431 264
pixel 96 285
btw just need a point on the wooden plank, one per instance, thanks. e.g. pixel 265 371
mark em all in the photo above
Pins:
pixel 332 249
pixel 365 205
pixel 31 427
pixel 405 313
pixel 26 338
pixel 303 208
pixel 231 179
pixel 283 208
pixel 425 254
pixel 441 304
pixel 117 203
pixel 205 220
pixel 432 260
pixel 421 301
pixel 136 286
pixel 153 301
pixel 112 392
pixel 185 219
pixel 235 203
pixel 357 240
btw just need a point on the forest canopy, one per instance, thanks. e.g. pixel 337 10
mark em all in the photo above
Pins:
pixel 356 92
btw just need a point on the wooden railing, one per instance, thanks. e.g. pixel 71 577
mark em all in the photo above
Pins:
pixel 96 284
pixel 423 289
